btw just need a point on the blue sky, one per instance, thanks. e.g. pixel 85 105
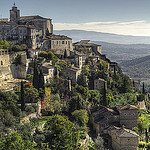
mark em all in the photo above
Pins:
pixel 128 17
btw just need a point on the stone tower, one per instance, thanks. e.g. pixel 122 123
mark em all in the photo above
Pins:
pixel 14 14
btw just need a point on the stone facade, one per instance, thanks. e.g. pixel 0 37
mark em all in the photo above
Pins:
pixel 86 44
pixel 78 61
pixel 5 71
pixel 104 117
pixel 71 73
pixel 19 71
pixel 123 139
pixel 45 24
pixel 128 116
pixel 58 43
pixel 99 84
pixel 48 71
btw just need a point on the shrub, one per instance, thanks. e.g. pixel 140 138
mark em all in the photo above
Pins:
pixel 29 110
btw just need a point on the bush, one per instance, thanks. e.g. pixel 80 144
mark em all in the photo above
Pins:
pixel 142 144
pixel 29 110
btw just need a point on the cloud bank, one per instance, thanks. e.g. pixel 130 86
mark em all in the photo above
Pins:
pixel 136 28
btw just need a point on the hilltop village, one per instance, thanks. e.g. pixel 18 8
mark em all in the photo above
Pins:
pixel 55 94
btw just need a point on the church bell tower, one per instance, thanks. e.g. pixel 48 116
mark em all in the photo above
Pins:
pixel 14 14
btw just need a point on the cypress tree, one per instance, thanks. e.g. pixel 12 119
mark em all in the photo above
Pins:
pixel 105 103
pixel 22 97
pixel 41 85
pixel 65 54
pixel 143 89
pixel 35 76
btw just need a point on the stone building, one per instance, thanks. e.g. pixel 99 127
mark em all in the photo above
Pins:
pixel 45 24
pixel 58 43
pixel 71 73
pixel 48 71
pixel 128 115
pixel 99 84
pixel 103 119
pixel 25 30
pixel 123 139
pixel 86 44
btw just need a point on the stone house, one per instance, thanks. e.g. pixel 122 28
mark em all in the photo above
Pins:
pixel 58 43
pixel 86 44
pixel 48 71
pixel 71 73
pixel 123 139
pixel 99 84
pixel 128 115
pixel 103 117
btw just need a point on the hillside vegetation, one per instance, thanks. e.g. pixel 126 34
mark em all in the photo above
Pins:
pixel 137 68
pixel 122 52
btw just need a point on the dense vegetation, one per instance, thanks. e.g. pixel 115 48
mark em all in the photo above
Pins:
pixel 65 121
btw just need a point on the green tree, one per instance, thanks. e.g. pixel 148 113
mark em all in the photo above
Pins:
pixel 15 142
pixel 43 54
pixel 81 117
pixel 99 143
pixel 76 103
pixel 22 97
pixel 143 89
pixel 95 97
pixel 30 77
pixel 8 102
pixel 50 55
pixel 35 76
pixel 41 86
pixel 143 123
pixel 60 133
pixel 31 94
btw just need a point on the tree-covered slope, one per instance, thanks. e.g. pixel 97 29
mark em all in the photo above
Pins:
pixel 137 68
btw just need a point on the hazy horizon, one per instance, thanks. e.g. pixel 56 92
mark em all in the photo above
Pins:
pixel 118 17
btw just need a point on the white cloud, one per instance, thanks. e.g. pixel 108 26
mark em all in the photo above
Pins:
pixel 137 28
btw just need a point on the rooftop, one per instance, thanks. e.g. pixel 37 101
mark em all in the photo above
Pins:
pixel 31 17
pixel 58 37
pixel 123 132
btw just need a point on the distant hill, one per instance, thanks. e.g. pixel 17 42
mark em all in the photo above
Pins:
pixel 122 52
pixel 126 47
pixel 137 68
pixel 77 35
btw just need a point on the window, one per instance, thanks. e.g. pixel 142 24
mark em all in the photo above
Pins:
pixel 1 62
pixel 66 42
pixel 57 42
pixel 20 31
pixel 63 42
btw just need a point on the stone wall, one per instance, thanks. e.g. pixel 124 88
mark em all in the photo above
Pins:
pixel 5 71
pixel 19 71
pixel 59 46
pixel 129 118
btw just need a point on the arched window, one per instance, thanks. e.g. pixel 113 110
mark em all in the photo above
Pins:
pixel 1 62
